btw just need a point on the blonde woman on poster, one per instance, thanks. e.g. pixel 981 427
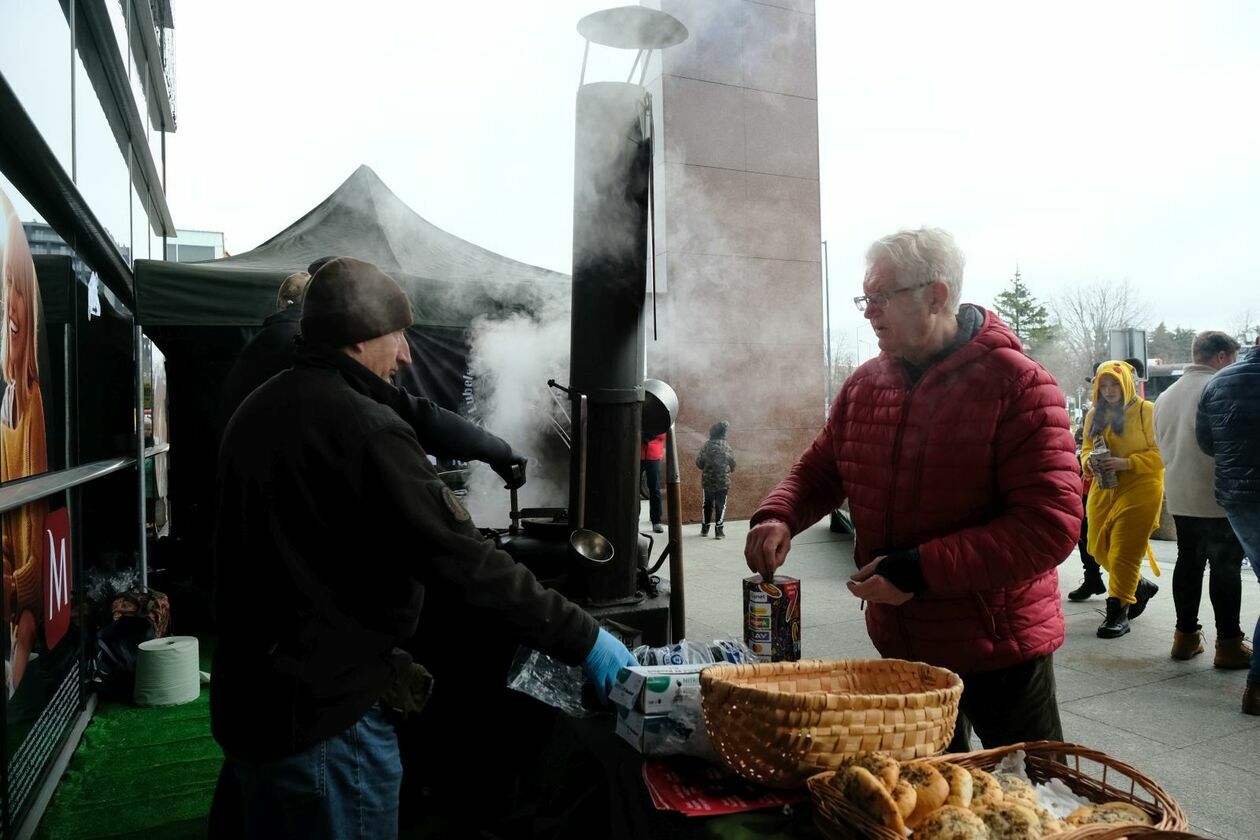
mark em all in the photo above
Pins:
pixel 23 447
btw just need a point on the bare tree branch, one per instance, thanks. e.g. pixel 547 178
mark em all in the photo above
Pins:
pixel 1085 315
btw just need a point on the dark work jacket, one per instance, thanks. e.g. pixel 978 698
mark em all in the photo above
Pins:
pixel 442 433
pixel 270 351
pixel 1227 427
pixel 330 523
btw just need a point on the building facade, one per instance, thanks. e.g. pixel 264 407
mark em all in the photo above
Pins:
pixel 195 246
pixel 737 237
pixel 86 99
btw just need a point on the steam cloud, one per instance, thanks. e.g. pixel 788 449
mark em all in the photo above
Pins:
pixel 511 360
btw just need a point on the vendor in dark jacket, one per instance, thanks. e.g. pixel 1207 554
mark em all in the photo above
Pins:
pixel 952 448
pixel 443 434
pixel 329 509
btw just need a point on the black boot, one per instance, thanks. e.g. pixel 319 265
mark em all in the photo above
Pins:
pixel 719 531
pixel 1145 592
pixel 704 529
pixel 1091 585
pixel 1116 624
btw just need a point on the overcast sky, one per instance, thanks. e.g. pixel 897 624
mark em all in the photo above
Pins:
pixel 1081 140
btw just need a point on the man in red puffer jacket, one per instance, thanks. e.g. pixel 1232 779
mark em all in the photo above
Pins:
pixel 953 450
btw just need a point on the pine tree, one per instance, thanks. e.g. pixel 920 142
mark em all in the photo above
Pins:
pixel 1027 318
pixel 1159 344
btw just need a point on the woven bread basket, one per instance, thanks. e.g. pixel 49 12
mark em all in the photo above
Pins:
pixel 1091 774
pixel 1136 832
pixel 778 723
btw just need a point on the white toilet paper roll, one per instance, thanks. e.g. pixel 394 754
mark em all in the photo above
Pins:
pixel 167 671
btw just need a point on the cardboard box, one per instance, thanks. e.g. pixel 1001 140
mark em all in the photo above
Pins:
pixel 655 689
pixel 656 734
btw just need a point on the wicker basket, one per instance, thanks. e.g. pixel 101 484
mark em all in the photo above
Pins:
pixel 1136 832
pixel 1089 773
pixel 779 723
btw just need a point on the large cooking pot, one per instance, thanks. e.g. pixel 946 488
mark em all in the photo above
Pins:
pixel 546 523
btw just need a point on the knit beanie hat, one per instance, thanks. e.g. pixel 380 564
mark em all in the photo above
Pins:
pixel 350 300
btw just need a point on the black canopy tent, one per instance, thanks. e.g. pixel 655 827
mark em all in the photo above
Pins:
pixel 450 281
pixel 202 314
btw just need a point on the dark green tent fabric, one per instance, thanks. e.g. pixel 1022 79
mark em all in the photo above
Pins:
pixel 450 281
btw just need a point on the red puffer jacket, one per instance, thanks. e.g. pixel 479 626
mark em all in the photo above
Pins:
pixel 973 465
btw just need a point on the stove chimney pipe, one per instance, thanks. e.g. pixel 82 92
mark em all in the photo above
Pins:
pixel 610 213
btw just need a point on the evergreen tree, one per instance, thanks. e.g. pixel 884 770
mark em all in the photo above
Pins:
pixel 1027 318
pixel 1183 341
pixel 1159 344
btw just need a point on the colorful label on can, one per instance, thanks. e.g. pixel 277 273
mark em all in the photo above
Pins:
pixel 772 618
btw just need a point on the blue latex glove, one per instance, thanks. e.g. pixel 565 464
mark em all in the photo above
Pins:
pixel 607 656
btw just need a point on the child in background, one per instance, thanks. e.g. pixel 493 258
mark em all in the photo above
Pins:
pixel 716 462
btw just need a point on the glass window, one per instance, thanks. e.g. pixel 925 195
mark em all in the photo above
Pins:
pixel 195 253
pixel 24 210
pixel 35 61
pixel 103 177
pixel 118 23
pixel 140 233
pixel 137 74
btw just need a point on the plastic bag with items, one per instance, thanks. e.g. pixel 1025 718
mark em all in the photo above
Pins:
pixel 566 688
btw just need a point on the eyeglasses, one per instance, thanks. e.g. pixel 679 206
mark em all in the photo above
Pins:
pixel 880 299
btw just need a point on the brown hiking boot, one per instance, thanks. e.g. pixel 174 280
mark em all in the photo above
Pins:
pixel 1186 645
pixel 1251 699
pixel 1232 654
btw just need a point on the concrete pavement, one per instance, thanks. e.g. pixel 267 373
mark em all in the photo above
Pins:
pixel 1178 722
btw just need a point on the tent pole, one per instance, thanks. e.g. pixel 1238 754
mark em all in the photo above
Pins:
pixel 637 56
pixel 141 516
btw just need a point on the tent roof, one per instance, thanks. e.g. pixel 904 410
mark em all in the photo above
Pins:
pixel 450 281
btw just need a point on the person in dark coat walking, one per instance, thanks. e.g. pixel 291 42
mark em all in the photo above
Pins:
pixel 1227 427
pixel 716 462
pixel 328 506
pixel 1092 584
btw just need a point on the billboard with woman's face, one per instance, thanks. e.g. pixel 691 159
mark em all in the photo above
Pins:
pixel 23 449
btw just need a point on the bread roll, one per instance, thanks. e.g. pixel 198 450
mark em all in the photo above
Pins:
pixel 868 794
pixel 951 823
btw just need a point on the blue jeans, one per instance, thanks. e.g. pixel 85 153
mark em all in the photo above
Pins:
pixel 1246 524
pixel 343 787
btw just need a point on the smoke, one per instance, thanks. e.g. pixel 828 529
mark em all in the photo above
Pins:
pixel 739 275
pixel 511 360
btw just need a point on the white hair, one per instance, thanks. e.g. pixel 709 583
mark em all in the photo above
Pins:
pixel 922 256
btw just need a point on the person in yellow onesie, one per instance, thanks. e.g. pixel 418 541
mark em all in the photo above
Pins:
pixel 1122 517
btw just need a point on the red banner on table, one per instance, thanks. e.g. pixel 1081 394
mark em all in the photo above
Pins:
pixel 699 789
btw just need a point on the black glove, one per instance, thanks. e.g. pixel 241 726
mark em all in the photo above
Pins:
pixel 512 471
pixel 410 690
pixel 902 570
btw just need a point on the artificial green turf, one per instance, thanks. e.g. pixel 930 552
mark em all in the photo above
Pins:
pixel 138 771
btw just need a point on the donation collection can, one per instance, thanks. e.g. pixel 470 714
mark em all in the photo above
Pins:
pixel 772 618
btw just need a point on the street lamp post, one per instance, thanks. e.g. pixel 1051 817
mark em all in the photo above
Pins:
pixel 831 384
